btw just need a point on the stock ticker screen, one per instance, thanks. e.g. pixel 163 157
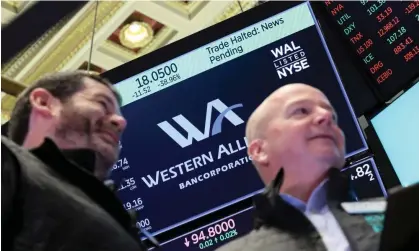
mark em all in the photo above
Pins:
pixel 365 180
pixel 214 235
pixel 385 37
pixel 184 152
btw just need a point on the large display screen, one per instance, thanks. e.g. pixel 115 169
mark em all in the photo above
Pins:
pixel 214 235
pixel 184 152
pixel 384 36
pixel 365 180
pixel 397 128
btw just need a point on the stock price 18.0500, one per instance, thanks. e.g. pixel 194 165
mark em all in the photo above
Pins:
pixel 165 75
pixel 155 75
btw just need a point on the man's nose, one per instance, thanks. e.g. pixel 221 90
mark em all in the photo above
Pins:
pixel 324 116
pixel 119 122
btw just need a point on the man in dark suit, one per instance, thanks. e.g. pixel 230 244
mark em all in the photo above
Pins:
pixel 63 140
pixel 298 150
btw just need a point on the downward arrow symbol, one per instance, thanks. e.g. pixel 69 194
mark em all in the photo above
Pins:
pixel 186 242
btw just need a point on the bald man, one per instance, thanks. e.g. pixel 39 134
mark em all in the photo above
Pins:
pixel 298 150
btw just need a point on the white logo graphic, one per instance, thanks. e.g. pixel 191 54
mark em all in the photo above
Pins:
pixel 289 59
pixel 193 132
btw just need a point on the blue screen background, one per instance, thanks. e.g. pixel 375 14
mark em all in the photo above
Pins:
pixel 397 127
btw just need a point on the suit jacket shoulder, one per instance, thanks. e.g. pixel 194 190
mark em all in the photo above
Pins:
pixel 56 214
pixel 280 226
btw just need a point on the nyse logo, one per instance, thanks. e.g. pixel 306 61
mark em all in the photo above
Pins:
pixel 195 133
pixel 289 59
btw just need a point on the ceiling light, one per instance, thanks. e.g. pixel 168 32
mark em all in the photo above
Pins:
pixel 136 35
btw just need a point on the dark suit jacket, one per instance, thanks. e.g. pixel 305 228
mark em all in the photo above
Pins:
pixel 49 202
pixel 279 226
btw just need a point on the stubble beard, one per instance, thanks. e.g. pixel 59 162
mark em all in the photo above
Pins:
pixel 75 131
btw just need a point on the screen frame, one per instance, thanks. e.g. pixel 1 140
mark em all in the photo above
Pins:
pixel 372 114
pixel 378 148
pixel 221 30
pixel 208 35
pixel 375 112
pixel 382 161
pixel 197 40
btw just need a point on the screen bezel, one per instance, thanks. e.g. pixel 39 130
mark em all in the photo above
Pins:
pixel 383 163
pixel 372 114
pixel 375 112
pixel 388 170
pixel 200 39
pixel 197 40
pixel 223 29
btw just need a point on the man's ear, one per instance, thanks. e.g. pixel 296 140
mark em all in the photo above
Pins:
pixel 256 151
pixel 43 102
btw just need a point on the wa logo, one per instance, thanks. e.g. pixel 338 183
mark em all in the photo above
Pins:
pixel 195 133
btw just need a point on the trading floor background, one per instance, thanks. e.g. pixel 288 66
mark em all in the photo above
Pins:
pixel 190 73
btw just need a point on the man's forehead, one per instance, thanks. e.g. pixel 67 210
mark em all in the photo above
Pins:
pixel 314 98
pixel 297 94
pixel 280 99
pixel 96 88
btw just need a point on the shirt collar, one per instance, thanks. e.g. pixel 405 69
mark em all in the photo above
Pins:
pixel 270 208
pixel 315 203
